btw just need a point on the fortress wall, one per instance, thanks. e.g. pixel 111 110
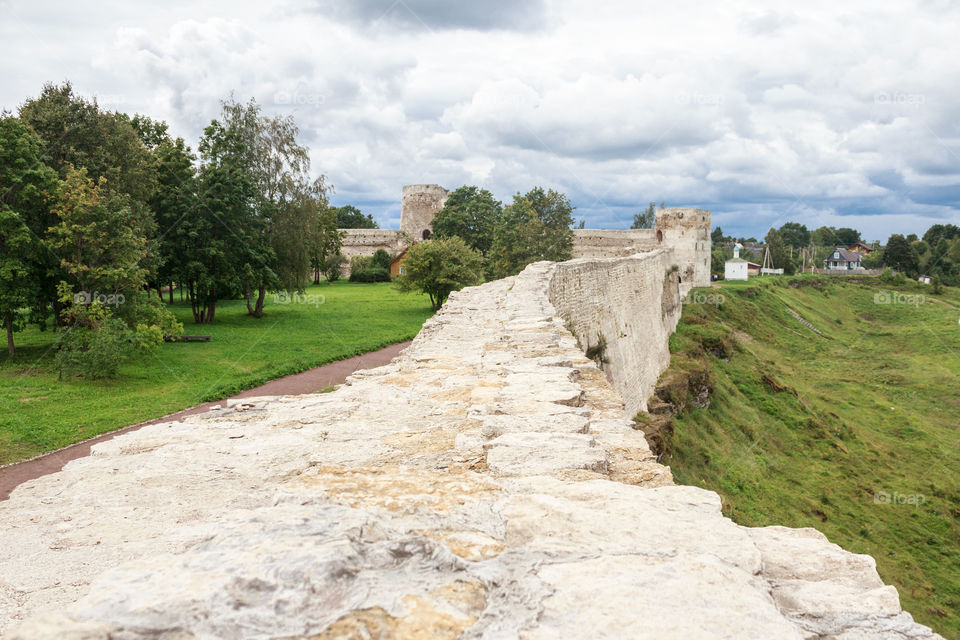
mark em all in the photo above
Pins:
pixel 610 243
pixel 685 231
pixel 365 242
pixel 634 304
pixel 487 483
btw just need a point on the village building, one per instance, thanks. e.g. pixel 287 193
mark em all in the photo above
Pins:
pixel 843 259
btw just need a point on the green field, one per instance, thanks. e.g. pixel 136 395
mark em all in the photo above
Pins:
pixel 855 432
pixel 38 413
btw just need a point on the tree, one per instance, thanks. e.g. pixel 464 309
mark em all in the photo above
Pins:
pixel 440 266
pixel 27 187
pixel 175 199
pixel 536 226
pixel 646 218
pixel 779 252
pixel 471 213
pixel 380 260
pixel 847 237
pixel 326 245
pixel 795 235
pixel 349 217
pixel 97 238
pixel 716 236
pixel 900 255
pixel 719 255
pixel 940 231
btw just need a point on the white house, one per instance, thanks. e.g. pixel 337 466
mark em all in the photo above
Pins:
pixel 735 269
pixel 843 259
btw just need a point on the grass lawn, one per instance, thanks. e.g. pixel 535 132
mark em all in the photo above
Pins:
pixel 38 413
pixel 855 432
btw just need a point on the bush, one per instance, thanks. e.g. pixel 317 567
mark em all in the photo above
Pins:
pixel 440 266
pixel 887 275
pixel 94 351
pixel 359 263
pixel 381 259
pixel 333 267
pixel 370 275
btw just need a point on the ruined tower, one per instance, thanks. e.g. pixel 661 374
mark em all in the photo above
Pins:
pixel 687 231
pixel 419 204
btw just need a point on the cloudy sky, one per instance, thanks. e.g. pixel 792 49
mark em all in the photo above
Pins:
pixel 822 112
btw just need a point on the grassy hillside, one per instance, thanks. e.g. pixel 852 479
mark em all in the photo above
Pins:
pixel 329 322
pixel 854 430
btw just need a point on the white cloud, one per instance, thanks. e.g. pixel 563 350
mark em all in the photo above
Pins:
pixel 822 111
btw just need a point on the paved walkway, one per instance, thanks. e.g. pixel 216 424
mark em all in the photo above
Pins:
pixel 310 381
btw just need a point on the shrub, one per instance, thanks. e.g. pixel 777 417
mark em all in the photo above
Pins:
pixel 359 263
pixel 333 267
pixel 381 259
pixel 440 266
pixel 370 275
pixel 94 351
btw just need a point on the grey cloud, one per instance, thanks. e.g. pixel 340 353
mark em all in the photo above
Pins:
pixel 510 15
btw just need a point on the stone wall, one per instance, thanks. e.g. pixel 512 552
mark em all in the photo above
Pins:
pixel 418 205
pixel 485 484
pixel 632 305
pixel 686 231
pixel 611 243
pixel 365 242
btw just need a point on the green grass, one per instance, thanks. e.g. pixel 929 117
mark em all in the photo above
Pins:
pixel 39 413
pixel 869 409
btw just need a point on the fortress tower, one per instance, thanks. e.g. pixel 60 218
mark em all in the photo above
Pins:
pixel 687 231
pixel 418 205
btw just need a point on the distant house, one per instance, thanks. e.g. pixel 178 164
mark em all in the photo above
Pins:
pixel 924 279
pixel 396 265
pixel 861 248
pixel 736 268
pixel 843 259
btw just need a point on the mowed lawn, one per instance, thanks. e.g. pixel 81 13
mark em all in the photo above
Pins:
pixel 329 322
pixel 855 431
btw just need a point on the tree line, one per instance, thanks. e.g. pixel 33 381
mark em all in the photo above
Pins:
pixel 793 246
pixel 102 213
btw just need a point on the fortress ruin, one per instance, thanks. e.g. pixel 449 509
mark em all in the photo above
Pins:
pixel 487 483
pixel 685 231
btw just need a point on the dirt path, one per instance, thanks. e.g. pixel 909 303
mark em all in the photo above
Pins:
pixel 310 381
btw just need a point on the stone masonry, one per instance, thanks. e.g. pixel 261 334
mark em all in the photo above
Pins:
pixel 485 484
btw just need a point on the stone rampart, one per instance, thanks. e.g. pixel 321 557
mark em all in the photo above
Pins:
pixel 626 308
pixel 485 484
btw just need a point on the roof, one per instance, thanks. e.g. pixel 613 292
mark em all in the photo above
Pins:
pixel 399 257
pixel 736 260
pixel 845 255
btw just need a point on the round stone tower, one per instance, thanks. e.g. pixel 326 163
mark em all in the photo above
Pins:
pixel 419 203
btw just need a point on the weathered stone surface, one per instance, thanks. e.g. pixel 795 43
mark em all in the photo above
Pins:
pixel 485 484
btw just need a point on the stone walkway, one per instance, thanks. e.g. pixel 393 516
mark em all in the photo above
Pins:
pixel 310 381
pixel 485 484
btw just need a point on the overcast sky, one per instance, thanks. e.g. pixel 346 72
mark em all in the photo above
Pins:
pixel 840 113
